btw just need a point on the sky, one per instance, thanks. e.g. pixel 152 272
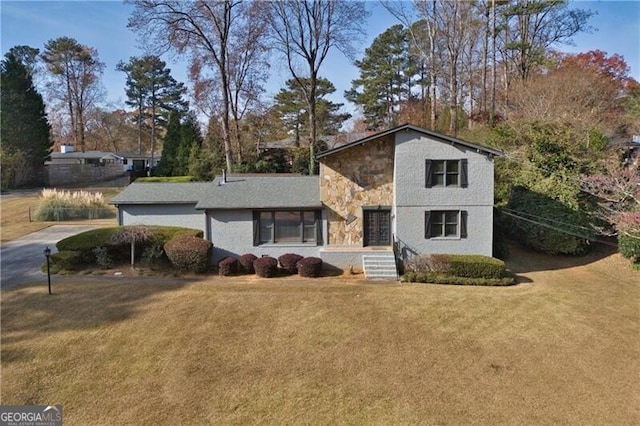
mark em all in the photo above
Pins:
pixel 103 25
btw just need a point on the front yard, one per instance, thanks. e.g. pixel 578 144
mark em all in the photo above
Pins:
pixel 561 348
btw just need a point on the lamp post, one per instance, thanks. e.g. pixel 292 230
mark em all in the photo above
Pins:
pixel 47 254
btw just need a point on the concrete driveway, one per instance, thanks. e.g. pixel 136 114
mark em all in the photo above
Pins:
pixel 20 259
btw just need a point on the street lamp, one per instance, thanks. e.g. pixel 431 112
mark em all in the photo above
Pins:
pixel 47 254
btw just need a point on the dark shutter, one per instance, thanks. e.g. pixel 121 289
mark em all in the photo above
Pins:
pixel 256 228
pixel 463 224
pixel 464 180
pixel 427 170
pixel 318 227
pixel 427 224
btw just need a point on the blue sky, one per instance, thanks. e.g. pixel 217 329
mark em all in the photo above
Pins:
pixel 102 25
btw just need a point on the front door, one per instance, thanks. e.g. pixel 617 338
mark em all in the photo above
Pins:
pixel 377 227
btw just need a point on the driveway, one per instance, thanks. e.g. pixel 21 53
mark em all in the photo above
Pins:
pixel 20 259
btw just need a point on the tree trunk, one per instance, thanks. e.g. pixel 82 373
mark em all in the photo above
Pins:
pixel 312 121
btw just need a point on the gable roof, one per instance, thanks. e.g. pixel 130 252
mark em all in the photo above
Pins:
pixel 238 192
pixel 262 192
pixel 162 193
pixel 406 127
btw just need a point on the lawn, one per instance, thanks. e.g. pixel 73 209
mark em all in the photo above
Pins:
pixel 562 347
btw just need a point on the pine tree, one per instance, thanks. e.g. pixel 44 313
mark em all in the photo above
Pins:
pixel 170 146
pixel 387 74
pixel 26 133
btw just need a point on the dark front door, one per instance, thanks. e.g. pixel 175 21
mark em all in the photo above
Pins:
pixel 377 228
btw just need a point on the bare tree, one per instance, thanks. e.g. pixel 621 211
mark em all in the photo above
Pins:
pixel 306 31
pixel 205 31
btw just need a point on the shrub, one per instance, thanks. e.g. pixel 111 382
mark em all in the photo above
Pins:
pixel 165 179
pixel 436 278
pixel 289 261
pixel 153 254
pixel 266 267
pixel 103 258
pixel 629 247
pixel 66 260
pixel 188 253
pixel 475 266
pixel 246 263
pixel 228 266
pixel 65 205
pixel 310 267
pixel 458 265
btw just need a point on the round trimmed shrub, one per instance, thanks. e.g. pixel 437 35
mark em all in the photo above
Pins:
pixel 246 263
pixel 310 267
pixel 228 266
pixel 188 253
pixel 289 262
pixel 266 267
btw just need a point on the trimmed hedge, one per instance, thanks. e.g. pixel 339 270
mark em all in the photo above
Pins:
pixel 86 242
pixel 310 267
pixel 289 262
pixel 228 266
pixel 475 266
pixel 266 267
pixel 246 263
pixel 188 253
pixel 436 278
pixel 65 260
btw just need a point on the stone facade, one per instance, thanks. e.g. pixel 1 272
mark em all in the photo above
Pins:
pixel 359 177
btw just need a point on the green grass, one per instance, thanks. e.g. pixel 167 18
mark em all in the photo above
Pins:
pixel 562 348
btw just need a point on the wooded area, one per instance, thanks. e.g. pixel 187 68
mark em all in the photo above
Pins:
pixel 491 72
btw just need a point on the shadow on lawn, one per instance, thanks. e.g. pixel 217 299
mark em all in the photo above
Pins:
pixel 522 259
pixel 77 303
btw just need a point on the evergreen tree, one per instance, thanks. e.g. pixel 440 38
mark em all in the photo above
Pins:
pixel 153 91
pixel 170 146
pixel 292 105
pixel 26 138
pixel 387 74
pixel 190 141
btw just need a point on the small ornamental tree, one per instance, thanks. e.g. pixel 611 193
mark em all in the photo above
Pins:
pixel 133 235
pixel 618 194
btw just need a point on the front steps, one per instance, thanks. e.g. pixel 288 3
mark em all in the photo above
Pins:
pixel 380 266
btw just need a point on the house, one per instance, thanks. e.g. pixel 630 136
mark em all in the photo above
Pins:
pixel 73 167
pixel 405 190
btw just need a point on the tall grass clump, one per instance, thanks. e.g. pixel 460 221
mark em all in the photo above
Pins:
pixel 66 205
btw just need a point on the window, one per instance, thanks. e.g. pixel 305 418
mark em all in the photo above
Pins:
pixel 286 227
pixel 445 224
pixel 446 173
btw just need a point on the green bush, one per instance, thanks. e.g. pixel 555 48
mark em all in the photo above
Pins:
pixel 66 261
pixel 475 266
pixel 103 258
pixel 85 242
pixel 165 179
pixel 436 278
pixel 547 225
pixel 629 247
pixel 189 253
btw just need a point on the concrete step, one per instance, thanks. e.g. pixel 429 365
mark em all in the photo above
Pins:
pixel 380 267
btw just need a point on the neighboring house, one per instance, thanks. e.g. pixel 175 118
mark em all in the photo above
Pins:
pixel 74 167
pixel 405 189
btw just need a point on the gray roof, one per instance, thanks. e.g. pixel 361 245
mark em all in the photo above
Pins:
pixel 263 192
pixel 162 193
pixel 429 133
pixel 239 192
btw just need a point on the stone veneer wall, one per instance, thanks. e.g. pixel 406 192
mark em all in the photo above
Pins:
pixel 359 176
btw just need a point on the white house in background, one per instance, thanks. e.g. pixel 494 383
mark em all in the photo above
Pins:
pixel 403 191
